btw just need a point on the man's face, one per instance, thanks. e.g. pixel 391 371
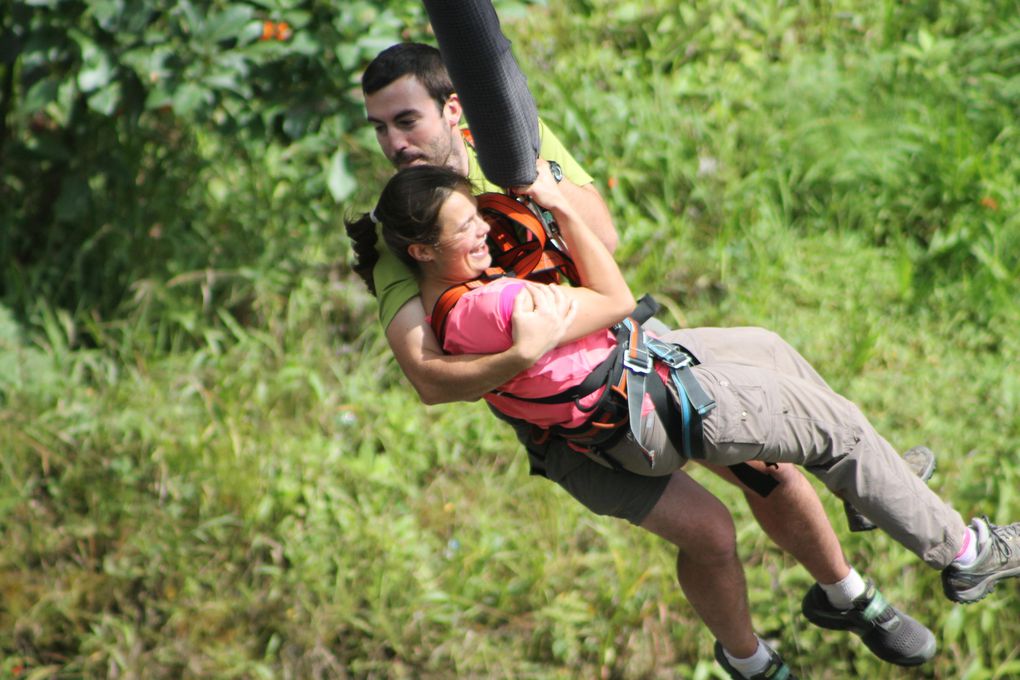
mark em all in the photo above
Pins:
pixel 411 129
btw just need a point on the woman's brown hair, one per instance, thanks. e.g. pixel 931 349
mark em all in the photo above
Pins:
pixel 408 210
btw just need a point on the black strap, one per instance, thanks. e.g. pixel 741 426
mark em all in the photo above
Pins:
pixel 605 373
pixel 492 89
pixel 754 479
pixel 647 307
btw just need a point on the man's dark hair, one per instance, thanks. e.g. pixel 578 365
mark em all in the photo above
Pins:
pixel 422 61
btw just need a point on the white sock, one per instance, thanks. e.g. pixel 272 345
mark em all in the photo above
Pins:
pixel 968 553
pixel 755 663
pixel 842 594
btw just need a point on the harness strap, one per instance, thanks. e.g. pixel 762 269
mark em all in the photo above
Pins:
pixel 637 364
pixel 449 298
pixel 682 418
pixel 754 479
pixel 599 376
pixel 646 308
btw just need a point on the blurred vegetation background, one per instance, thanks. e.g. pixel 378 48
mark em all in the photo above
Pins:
pixel 211 467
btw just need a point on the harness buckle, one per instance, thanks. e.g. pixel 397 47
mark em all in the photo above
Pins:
pixel 637 360
pixel 675 357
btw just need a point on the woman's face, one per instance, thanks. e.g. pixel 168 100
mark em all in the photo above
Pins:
pixel 462 252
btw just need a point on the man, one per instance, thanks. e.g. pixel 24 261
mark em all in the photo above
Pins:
pixel 416 115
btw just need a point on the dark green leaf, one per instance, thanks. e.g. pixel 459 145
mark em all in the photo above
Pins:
pixel 47 145
pixel 73 202
pixel 188 98
pixel 227 24
pixel 40 94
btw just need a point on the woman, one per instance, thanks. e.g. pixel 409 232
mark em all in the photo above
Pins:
pixel 772 405
pixel 431 221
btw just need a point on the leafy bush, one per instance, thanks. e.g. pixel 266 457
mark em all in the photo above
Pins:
pixel 158 144
pixel 213 468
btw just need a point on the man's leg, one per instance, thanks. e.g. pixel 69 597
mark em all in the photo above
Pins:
pixel 678 509
pixel 708 569
pixel 792 516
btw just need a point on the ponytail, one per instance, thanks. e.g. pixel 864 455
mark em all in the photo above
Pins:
pixel 363 235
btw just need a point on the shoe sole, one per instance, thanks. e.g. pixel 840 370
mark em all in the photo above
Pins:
pixel 822 620
pixel 981 590
pixel 921 459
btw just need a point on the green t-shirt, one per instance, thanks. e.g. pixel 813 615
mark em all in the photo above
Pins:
pixel 395 283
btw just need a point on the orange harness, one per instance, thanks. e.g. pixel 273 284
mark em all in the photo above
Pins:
pixel 520 247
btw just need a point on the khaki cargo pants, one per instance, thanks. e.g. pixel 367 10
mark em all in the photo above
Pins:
pixel 772 406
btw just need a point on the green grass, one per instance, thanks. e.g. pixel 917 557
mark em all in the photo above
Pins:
pixel 230 478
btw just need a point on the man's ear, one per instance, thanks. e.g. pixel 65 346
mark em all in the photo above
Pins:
pixel 453 110
pixel 420 252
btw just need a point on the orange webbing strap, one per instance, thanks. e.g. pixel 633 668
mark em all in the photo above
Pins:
pixel 449 298
pixel 634 345
pixel 515 251
pixel 522 243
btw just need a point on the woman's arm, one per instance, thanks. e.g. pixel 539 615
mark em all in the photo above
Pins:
pixel 538 325
pixel 593 211
pixel 604 298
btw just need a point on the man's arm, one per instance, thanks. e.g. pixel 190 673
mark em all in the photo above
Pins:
pixel 441 378
pixel 579 188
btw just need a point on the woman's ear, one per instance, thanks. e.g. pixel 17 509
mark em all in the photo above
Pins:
pixel 421 252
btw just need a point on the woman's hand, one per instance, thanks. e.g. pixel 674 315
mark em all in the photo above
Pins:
pixel 544 190
pixel 542 314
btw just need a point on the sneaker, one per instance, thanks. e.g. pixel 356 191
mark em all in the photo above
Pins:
pixel 920 459
pixel 776 670
pixel 998 557
pixel 889 633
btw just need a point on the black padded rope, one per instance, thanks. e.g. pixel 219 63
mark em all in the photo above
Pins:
pixel 491 87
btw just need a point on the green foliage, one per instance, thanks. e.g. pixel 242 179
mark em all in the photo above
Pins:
pixel 896 126
pixel 152 145
pixel 212 468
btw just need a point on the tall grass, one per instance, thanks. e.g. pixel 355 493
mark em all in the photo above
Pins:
pixel 231 479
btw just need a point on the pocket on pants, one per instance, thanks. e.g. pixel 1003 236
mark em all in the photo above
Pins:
pixel 740 426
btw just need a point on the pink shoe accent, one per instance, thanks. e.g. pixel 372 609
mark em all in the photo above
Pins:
pixel 966 544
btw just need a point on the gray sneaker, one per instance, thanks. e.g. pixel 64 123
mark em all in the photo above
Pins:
pixel 889 633
pixel 776 670
pixel 998 557
pixel 920 459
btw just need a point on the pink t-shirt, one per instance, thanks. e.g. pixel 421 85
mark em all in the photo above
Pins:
pixel 480 323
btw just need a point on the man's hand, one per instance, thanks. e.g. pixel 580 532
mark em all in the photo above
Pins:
pixel 541 316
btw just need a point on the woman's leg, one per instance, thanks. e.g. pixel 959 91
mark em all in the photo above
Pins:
pixel 683 512
pixel 747 346
pixel 770 416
